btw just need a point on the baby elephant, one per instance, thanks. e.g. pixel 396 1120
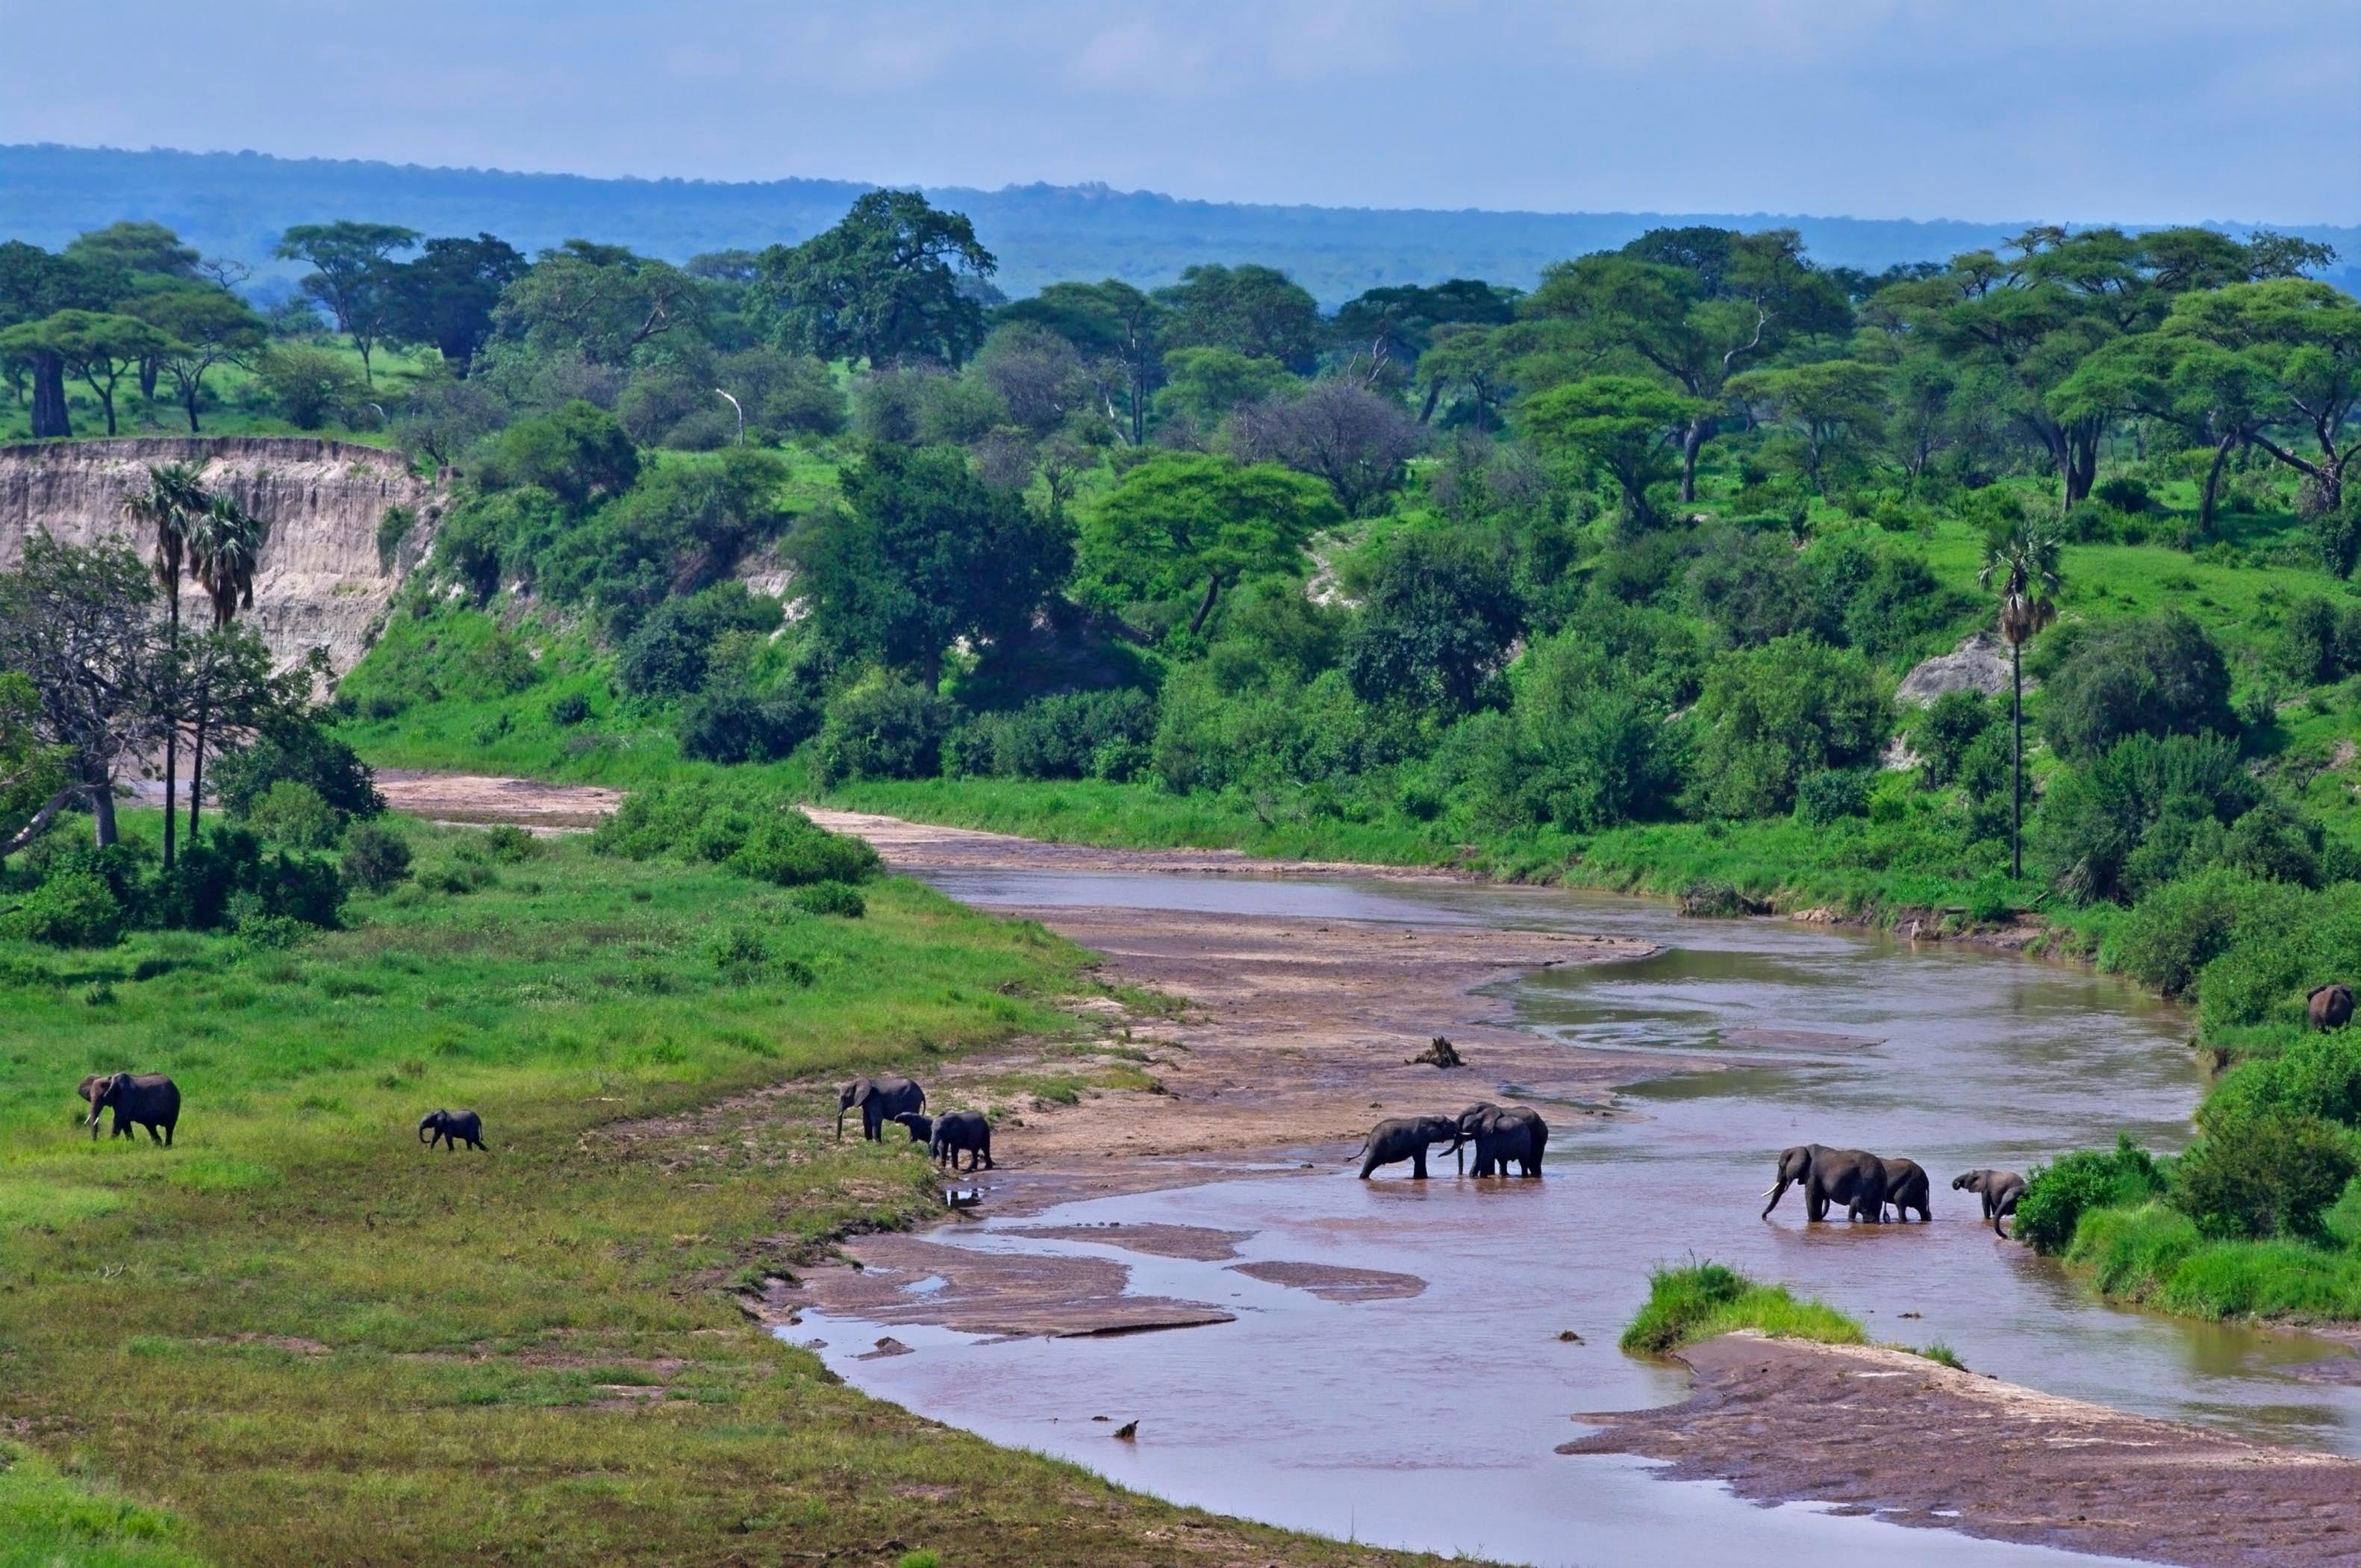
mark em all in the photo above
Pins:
pixel 2000 1190
pixel 450 1128
pixel 963 1131
pixel 922 1127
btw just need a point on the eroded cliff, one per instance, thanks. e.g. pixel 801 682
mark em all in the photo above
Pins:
pixel 322 583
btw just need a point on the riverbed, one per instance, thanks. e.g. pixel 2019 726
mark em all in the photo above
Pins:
pixel 1430 1419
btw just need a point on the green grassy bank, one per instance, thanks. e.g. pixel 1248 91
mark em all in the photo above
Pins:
pixel 297 1337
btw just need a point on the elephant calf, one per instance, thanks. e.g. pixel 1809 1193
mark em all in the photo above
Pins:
pixel 1406 1138
pixel 450 1128
pixel 1999 1189
pixel 147 1099
pixel 922 1128
pixel 963 1131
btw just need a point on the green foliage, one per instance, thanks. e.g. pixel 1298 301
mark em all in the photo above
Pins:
pixel 1615 426
pixel 312 387
pixel 1070 735
pixel 375 857
pixel 576 453
pixel 882 285
pixel 1700 1301
pixel 679 531
pixel 394 526
pixel 2158 675
pixel 1436 626
pixel 831 898
pixel 1945 729
pixel 667 655
pixel 2266 1175
pixel 2313 1076
pixel 72 909
pixel 729 722
pixel 2144 812
pixel 881 728
pixel 1181 528
pixel 2057 1195
pixel 2169 937
pixel 292 813
pixel 1775 714
pixel 1831 796
pixel 740 824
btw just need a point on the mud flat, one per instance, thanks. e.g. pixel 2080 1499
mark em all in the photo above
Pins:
pixel 1890 1433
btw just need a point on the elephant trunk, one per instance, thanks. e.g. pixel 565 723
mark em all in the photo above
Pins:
pixel 840 1122
pixel 1773 1192
pixel 424 1124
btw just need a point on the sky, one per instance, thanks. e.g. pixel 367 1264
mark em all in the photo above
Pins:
pixel 2126 110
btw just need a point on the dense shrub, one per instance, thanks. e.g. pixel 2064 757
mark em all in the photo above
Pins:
pixel 227 875
pixel 576 453
pixel 2058 1194
pixel 303 755
pixel 831 898
pixel 2317 1075
pixel 730 723
pixel 375 858
pixel 881 728
pixel 1776 713
pixel 2142 813
pixel 669 652
pixel 741 824
pixel 1071 735
pixel 72 909
pixel 2171 935
pixel 569 710
pixel 789 850
pixel 1436 624
pixel 1945 729
pixel 2159 675
pixel 2272 1175
pixel 292 813
pixel 1831 796
pixel 510 845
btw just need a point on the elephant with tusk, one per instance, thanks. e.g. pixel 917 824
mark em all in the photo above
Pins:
pixel 147 1099
pixel 1854 1177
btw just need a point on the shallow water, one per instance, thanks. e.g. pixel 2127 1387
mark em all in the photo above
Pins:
pixel 1430 1421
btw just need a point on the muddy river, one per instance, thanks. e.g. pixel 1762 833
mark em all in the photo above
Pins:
pixel 1431 1420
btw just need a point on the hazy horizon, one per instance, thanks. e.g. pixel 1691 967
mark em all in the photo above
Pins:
pixel 2168 112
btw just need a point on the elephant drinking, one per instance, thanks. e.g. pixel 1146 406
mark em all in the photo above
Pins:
pixel 880 1099
pixel 1401 1138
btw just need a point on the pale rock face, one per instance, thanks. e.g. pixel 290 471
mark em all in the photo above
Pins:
pixel 321 583
pixel 1980 664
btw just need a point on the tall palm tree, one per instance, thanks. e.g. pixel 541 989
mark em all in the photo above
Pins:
pixel 166 511
pixel 2021 562
pixel 225 548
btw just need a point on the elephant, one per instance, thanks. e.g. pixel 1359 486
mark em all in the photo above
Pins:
pixel 1504 1137
pixel 2330 1007
pixel 922 1128
pixel 1406 1138
pixel 1906 1188
pixel 147 1099
pixel 880 1099
pixel 1850 1176
pixel 963 1131
pixel 88 1090
pixel 449 1128
pixel 2000 1190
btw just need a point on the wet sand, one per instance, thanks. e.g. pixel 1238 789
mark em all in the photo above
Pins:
pixel 1887 1432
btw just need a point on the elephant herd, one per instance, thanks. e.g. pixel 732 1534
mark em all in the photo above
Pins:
pixel 1868 1185
pixel 901 1100
pixel 152 1100
pixel 1513 1136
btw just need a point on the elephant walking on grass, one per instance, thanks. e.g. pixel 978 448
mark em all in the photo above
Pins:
pixel 147 1099
pixel 881 1101
pixel 450 1128
pixel 1408 1138
pixel 1999 1189
pixel 1504 1137
pixel 1851 1176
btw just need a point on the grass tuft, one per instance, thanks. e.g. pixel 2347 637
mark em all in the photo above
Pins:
pixel 1700 1301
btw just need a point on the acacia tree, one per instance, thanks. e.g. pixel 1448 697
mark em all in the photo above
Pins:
pixel 446 296
pixel 1187 524
pixel 351 276
pixel 1254 310
pixel 208 326
pixel 1115 328
pixel 2020 563
pixel 884 285
pixel 1617 425
pixel 601 302
pixel 1833 407
pixel 100 347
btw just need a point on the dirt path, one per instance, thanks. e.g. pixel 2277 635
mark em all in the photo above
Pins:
pixel 1888 1432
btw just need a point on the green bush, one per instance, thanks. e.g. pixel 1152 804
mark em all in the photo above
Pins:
pixel 741 824
pixel 576 453
pixel 2145 811
pixel 2170 936
pixel 1777 713
pixel 2057 1195
pixel 569 710
pixel 668 654
pixel 1071 735
pixel 2315 1075
pixel 1944 731
pixel 790 852
pixel 375 858
pixel 2158 675
pixel 1831 796
pixel 298 753
pixel 881 729
pixel 2272 1175
pixel 73 909
pixel 510 844
pixel 292 813
pixel 1697 1302
pixel 831 898
pixel 731 724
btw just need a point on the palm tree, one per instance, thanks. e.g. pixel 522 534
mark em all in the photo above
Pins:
pixel 2021 560
pixel 166 510
pixel 225 548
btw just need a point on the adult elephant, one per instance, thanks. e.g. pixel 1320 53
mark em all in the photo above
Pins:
pixel 88 1090
pixel 963 1131
pixel 1853 1177
pixel 147 1099
pixel 1408 1138
pixel 2330 1007
pixel 1999 1191
pixel 1503 1138
pixel 1906 1188
pixel 880 1099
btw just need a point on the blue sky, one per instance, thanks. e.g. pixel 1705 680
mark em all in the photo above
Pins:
pixel 2140 110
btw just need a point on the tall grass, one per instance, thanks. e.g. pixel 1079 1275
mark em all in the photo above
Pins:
pixel 1700 1301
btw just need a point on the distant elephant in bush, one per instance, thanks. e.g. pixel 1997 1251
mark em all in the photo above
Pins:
pixel 2330 1007
pixel 1906 1188
pixel 1503 1138
pixel 450 1128
pixel 963 1131
pixel 880 1099
pixel 1407 1138
pixel 147 1099
pixel 922 1128
pixel 1851 1176
pixel 2000 1190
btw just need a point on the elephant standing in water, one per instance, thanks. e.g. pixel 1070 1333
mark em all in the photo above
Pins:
pixel 1513 1136
pixel 1407 1138
pixel 147 1099
pixel 1907 1188
pixel 1851 1176
pixel 880 1099
pixel 1999 1189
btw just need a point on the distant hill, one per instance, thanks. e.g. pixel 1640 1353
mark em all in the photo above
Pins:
pixel 237 203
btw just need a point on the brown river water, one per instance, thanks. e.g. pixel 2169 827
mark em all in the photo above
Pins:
pixel 1430 1421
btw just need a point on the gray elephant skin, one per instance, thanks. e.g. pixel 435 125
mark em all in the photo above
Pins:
pixel 879 1100
pixel 88 1090
pixel 963 1131
pixel 1400 1138
pixel 922 1128
pixel 1504 1136
pixel 1853 1177
pixel 147 1099
pixel 1998 1189
pixel 1906 1188
pixel 2330 1007
pixel 452 1128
